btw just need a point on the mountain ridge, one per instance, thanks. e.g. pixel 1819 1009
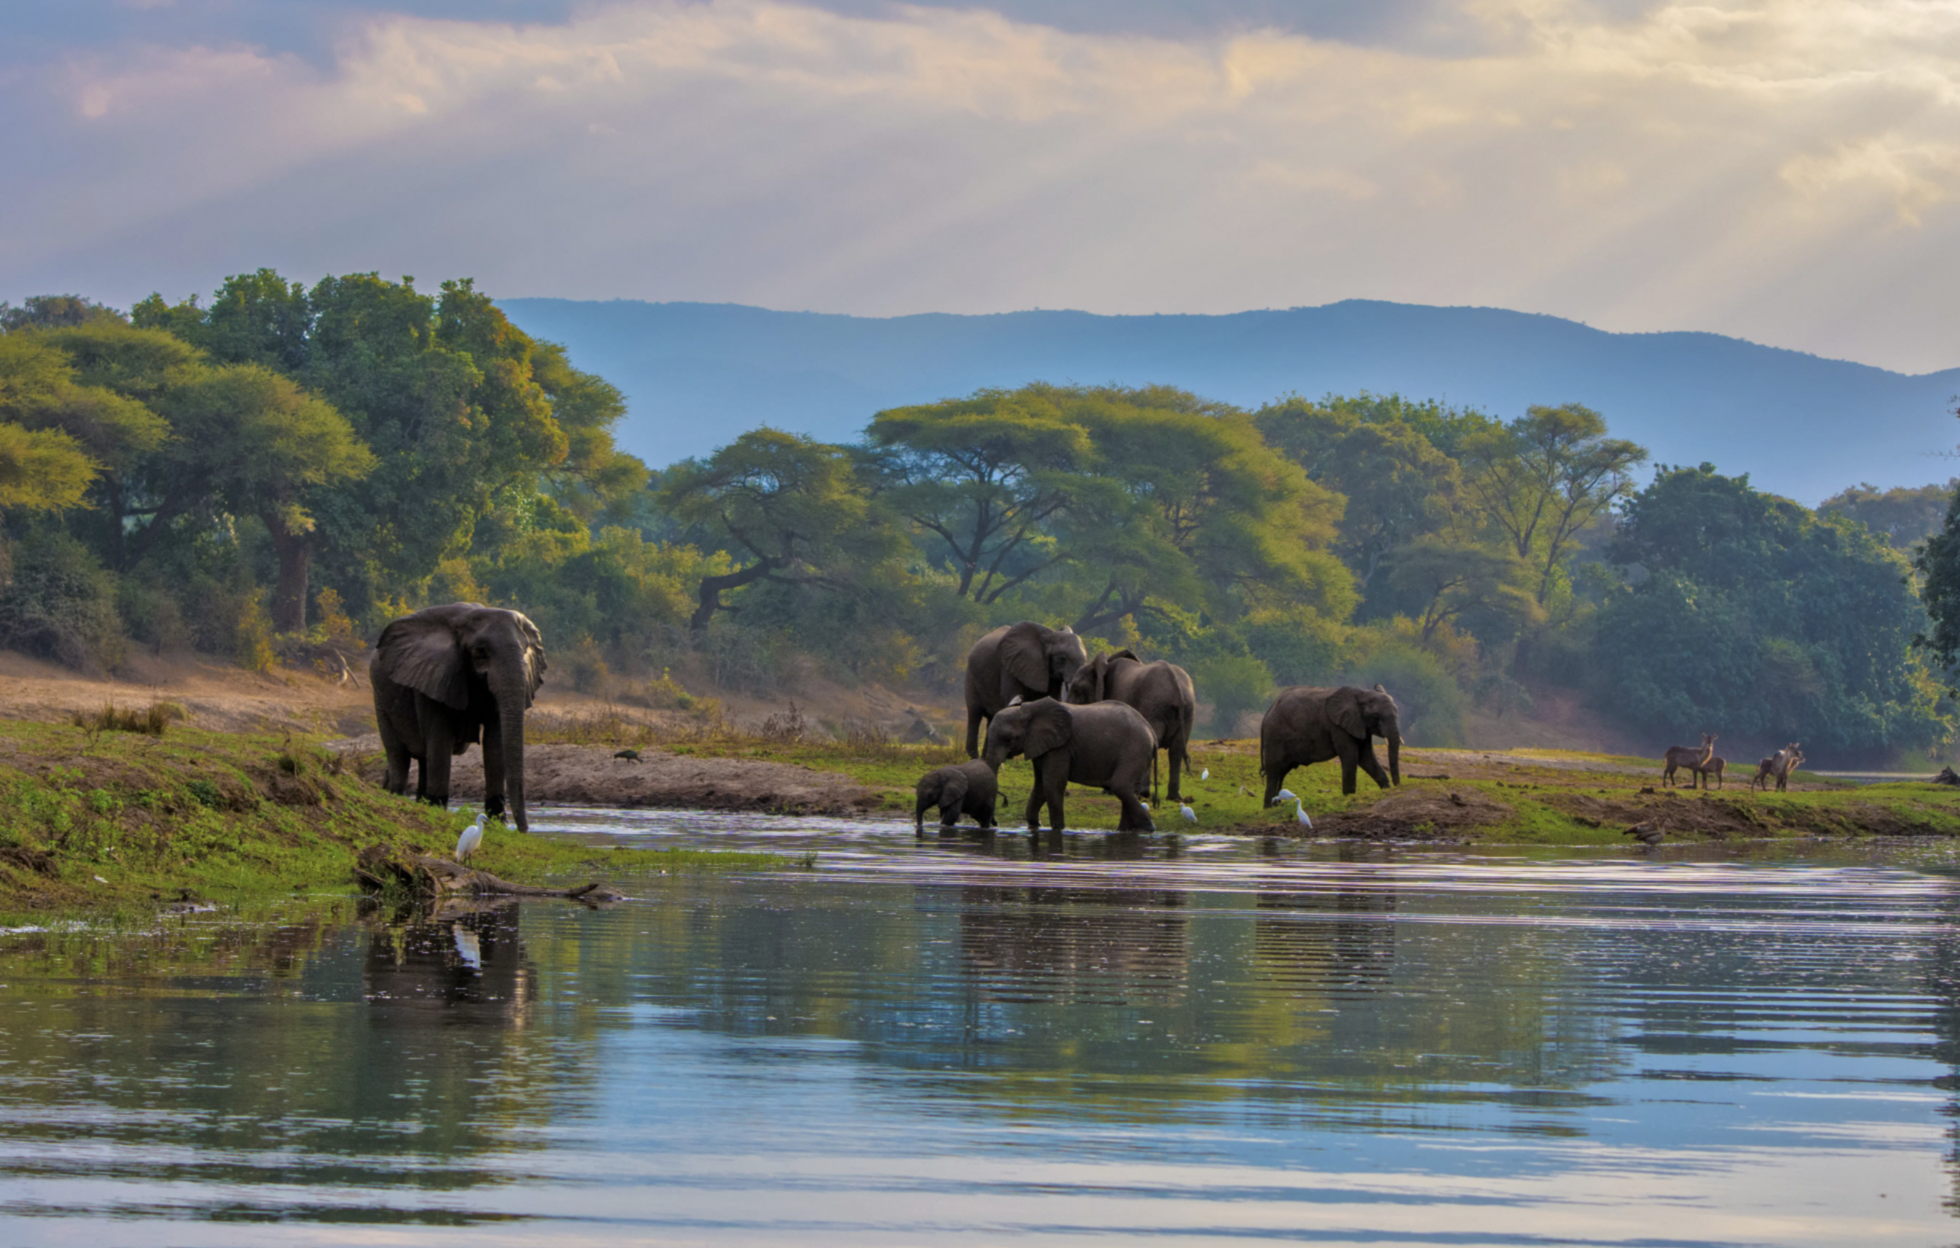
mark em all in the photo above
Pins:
pixel 698 374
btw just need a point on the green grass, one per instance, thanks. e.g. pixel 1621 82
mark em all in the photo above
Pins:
pixel 118 822
pixel 1547 804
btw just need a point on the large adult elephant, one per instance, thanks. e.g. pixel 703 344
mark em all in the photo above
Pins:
pixel 1161 692
pixel 1025 661
pixel 1309 725
pixel 1107 746
pixel 445 676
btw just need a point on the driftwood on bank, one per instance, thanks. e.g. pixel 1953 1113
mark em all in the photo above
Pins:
pixel 438 879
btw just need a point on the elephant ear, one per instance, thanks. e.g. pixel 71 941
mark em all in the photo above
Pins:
pixel 1021 656
pixel 420 652
pixel 534 664
pixel 1344 709
pixel 1049 727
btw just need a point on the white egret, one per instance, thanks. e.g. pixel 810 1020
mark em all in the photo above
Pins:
pixel 471 838
pixel 1205 774
pixel 1184 808
pixel 1286 795
pixel 1300 812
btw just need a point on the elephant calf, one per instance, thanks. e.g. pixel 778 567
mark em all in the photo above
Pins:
pixel 957 789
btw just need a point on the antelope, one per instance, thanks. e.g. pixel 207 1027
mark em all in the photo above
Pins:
pixel 1779 765
pixel 1687 756
pixel 1715 766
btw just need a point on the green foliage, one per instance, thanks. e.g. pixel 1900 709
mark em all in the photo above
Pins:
pixel 1903 516
pixel 60 603
pixel 1753 617
pixel 1236 685
pixel 1428 694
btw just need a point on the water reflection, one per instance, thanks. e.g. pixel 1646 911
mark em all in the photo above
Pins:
pixel 1046 945
pixel 465 967
pixel 922 1044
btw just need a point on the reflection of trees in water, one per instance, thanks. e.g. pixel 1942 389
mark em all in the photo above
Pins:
pixel 1315 941
pixel 1092 945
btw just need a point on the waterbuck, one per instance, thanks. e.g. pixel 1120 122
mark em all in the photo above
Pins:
pixel 1687 756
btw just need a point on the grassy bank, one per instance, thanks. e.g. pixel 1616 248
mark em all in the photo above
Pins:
pixel 99 819
pixel 1519 797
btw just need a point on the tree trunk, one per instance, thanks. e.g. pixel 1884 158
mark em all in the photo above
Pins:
pixel 295 551
pixel 432 879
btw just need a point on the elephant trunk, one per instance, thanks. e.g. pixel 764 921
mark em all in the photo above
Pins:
pixel 1395 757
pixel 510 714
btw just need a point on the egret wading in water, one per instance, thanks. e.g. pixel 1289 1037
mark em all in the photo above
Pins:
pixel 471 838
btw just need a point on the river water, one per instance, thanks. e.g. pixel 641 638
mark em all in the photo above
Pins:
pixel 962 1040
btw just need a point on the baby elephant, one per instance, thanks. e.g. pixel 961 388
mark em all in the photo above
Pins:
pixel 958 789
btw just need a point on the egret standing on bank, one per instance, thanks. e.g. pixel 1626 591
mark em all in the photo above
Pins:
pixel 1184 808
pixel 471 838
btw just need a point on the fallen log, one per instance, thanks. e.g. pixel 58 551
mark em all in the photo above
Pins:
pixel 430 879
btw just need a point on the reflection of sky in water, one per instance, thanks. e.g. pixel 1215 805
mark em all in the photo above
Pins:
pixel 949 1040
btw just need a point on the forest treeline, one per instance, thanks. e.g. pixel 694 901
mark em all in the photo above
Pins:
pixel 286 465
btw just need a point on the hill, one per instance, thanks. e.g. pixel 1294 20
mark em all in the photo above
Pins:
pixel 698 374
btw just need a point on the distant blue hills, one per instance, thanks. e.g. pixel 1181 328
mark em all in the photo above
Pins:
pixel 696 375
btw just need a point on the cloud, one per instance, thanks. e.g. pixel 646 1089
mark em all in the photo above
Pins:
pixel 1781 170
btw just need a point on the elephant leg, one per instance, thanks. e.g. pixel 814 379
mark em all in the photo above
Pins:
pixel 1135 818
pixel 1275 781
pixel 919 808
pixel 1350 759
pixel 985 814
pixel 973 732
pixel 1052 784
pixel 396 780
pixel 1371 765
pixel 438 744
pixel 1175 756
pixel 1035 800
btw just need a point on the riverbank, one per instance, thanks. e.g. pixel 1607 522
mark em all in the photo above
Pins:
pixel 97 819
pixel 1546 797
pixel 100 820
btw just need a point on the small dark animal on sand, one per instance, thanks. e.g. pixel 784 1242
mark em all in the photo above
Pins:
pixel 631 756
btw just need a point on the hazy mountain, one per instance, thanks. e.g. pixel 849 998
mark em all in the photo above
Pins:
pixel 698 374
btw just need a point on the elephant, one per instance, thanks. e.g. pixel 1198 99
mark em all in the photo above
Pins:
pixel 957 789
pixel 442 677
pixel 1309 725
pixel 1026 661
pixel 1108 746
pixel 1161 692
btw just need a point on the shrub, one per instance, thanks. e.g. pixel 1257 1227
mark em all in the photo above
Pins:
pixel 1234 684
pixel 61 604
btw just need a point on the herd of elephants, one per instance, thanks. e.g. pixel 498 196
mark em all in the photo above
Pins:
pixel 450 676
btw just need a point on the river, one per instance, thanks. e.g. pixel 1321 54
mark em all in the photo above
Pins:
pixel 963 1040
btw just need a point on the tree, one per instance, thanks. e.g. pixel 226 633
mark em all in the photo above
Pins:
pixel 1747 610
pixel 1450 578
pixel 1194 512
pixel 259 445
pixel 985 476
pixel 786 508
pixel 1903 516
pixel 1398 486
pixel 1545 476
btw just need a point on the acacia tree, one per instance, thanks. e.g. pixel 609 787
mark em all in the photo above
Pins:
pixel 256 444
pixel 1194 512
pixel 786 508
pixel 985 477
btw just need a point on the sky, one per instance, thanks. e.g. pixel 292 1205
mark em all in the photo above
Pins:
pixel 1786 171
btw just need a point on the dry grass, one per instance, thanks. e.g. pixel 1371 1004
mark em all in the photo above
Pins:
pixel 151 720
